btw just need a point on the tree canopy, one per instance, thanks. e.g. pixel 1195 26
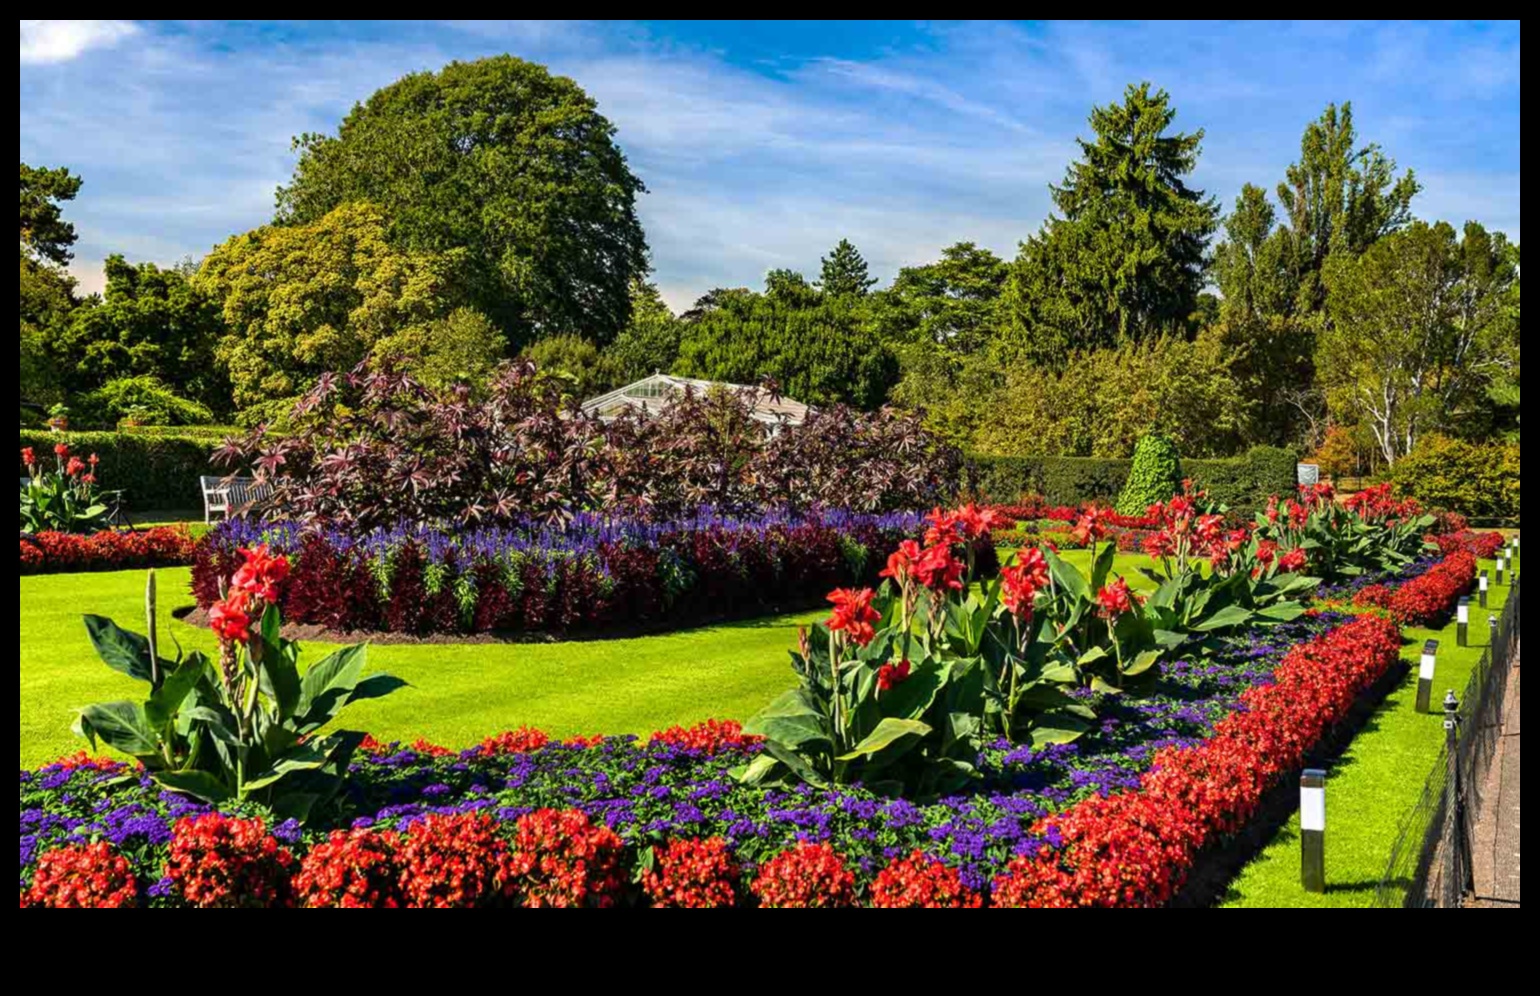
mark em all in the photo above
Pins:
pixel 45 235
pixel 844 271
pixel 505 162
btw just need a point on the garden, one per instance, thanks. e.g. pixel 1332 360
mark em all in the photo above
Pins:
pixel 438 539
pixel 1019 704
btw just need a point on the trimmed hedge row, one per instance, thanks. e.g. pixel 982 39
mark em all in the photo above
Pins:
pixel 158 470
pixel 1244 483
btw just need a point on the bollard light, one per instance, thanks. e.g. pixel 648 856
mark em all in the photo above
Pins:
pixel 1462 622
pixel 1312 829
pixel 1481 587
pixel 1491 631
pixel 1425 676
pixel 1499 575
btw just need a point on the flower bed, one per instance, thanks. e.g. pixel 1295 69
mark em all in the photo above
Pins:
pixel 106 550
pixel 593 574
pixel 1116 818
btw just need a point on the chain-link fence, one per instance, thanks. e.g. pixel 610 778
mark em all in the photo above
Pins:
pixel 1430 863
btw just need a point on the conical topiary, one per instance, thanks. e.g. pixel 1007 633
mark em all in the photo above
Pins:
pixel 1155 476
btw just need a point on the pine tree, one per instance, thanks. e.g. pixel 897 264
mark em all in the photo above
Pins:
pixel 844 271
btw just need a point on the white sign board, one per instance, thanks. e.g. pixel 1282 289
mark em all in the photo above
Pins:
pixel 1309 473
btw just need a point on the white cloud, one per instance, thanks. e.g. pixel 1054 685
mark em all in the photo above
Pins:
pixel 60 41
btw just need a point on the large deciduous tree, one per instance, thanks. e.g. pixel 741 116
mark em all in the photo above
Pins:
pixel 1420 326
pixel 1123 258
pixel 505 161
pixel 149 322
pixel 299 299
pixel 47 291
pixel 648 344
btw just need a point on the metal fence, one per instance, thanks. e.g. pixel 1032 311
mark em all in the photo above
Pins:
pixel 1430 863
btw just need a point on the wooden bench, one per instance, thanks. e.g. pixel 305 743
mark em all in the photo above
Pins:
pixel 230 495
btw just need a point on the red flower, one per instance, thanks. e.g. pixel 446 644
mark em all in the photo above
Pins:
pixel 354 869
pixel 1114 599
pixel 976 523
pixel 1021 580
pixel 82 876
pixel 902 562
pixel 939 569
pixel 454 862
pixel 520 741
pixel 1267 551
pixel 807 876
pixel 75 466
pixel 853 614
pixel 61 450
pixel 231 618
pixel 261 574
pixel 221 861
pixel 1294 560
pixel 28 457
pixel 891 675
pixel 93 459
pixel 944 528
pixel 562 860
pixel 921 882
pixel 710 737
pixel 692 874
pixel 88 479
pixel 1090 526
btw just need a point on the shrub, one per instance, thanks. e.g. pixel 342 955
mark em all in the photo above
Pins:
pixel 1155 475
pixel 224 861
pixel 807 876
pixel 153 469
pixel 106 550
pixel 919 881
pixel 692 874
pixel 562 860
pixel 352 869
pixel 454 862
pixel 143 399
pixel 374 448
pixel 1480 480
pixel 82 876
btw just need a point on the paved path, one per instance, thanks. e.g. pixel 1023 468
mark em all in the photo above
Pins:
pixel 1496 842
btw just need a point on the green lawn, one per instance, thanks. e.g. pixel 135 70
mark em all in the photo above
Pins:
pixel 458 694
pixel 1372 786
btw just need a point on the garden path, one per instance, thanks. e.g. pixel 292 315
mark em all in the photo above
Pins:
pixel 1497 827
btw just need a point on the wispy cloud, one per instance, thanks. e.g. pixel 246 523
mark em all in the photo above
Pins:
pixel 60 41
pixel 952 132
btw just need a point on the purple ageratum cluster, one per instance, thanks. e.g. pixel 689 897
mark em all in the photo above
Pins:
pixel 1345 590
pixel 583 535
pixel 643 789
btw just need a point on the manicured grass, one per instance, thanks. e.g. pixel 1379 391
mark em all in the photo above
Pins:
pixel 1372 786
pixel 458 694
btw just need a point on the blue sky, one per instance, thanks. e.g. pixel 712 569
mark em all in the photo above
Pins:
pixel 763 144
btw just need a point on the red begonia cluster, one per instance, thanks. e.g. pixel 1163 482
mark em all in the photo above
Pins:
pixel 709 737
pixel 352 869
pixel 106 550
pixel 563 860
pixel 519 741
pixel 692 874
pixel 919 881
pixel 224 861
pixel 806 876
pixel 82 876
pixel 454 861
pixel 1432 595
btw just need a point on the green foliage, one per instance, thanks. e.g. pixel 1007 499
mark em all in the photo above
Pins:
pixel 305 298
pixel 45 236
pixel 1420 327
pixel 1102 402
pixel 142 399
pixel 149 323
pixel 821 354
pixel 506 162
pixel 1124 257
pixel 648 344
pixel 462 347
pixel 62 498
pixel 844 271
pixel 1155 475
pixel 1242 483
pixel 243 729
pixel 571 358
pixel 154 470
pixel 1480 480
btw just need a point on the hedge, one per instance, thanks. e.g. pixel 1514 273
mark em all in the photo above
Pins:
pixel 1244 483
pixel 156 471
